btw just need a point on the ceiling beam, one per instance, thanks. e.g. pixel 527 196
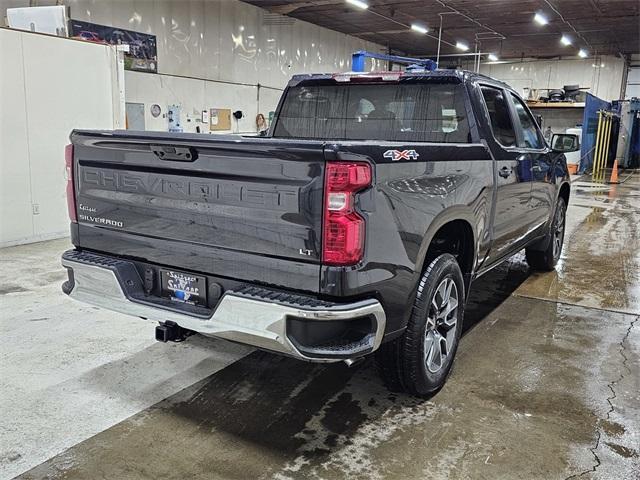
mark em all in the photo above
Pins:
pixel 287 8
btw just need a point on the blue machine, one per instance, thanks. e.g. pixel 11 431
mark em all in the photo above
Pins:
pixel 359 57
pixel 632 147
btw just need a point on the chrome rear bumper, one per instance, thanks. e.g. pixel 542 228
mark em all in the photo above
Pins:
pixel 111 283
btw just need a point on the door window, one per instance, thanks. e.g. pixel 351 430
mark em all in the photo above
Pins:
pixel 498 109
pixel 530 136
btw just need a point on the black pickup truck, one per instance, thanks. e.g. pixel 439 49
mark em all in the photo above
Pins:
pixel 357 225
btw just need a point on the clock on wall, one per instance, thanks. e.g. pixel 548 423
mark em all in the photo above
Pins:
pixel 155 110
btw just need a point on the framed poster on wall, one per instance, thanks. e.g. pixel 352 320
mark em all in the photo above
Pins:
pixel 142 55
pixel 219 119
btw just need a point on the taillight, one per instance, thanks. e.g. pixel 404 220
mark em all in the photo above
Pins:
pixel 343 229
pixel 71 193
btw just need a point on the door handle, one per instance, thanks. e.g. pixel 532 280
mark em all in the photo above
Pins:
pixel 504 172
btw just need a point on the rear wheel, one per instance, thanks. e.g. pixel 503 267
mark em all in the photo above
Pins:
pixel 420 360
pixel 547 259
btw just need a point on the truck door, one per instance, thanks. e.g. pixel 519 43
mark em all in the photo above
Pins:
pixel 513 180
pixel 531 144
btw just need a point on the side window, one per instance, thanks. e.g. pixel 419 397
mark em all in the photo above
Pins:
pixel 498 109
pixel 530 136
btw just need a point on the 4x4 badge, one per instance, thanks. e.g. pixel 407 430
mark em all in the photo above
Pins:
pixel 397 155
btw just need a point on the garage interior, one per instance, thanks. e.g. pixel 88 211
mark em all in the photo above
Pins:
pixel 546 384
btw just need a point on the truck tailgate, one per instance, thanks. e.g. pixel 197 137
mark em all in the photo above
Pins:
pixel 244 208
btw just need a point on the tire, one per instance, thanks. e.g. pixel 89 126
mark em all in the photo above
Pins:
pixel 420 361
pixel 546 260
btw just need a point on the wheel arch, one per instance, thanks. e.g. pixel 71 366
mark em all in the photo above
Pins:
pixel 452 231
pixel 564 192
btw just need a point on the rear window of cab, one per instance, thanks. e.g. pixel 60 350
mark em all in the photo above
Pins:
pixel 410 112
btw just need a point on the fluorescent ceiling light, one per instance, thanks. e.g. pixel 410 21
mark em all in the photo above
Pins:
pixel 564 40
pixel 358 3
pixel 583 53
pixel 419 28
pixel 462 46
pixel 540 19
pixel 492 57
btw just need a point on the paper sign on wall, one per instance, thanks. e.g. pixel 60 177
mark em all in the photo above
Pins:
pixel 173 117
pixel 220 119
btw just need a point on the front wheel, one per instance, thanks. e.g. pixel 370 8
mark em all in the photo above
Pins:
pixel 547 259
pixel 420 360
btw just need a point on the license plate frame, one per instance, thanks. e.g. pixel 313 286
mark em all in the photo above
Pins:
pixel 183 287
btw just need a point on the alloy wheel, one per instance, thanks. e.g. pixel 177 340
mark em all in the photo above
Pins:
pixel 442 322
pixel 558 232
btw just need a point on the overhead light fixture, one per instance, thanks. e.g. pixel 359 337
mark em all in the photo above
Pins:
pixel 492 57
pixel 566 41
pixel 582 53
pixel 540 19
pixel 358 4
pixel 416 27
pixel 462 46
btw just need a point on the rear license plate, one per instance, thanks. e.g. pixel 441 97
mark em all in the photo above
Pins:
pixel 184 287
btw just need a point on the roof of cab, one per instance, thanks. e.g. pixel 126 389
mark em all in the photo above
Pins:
pixel 459 75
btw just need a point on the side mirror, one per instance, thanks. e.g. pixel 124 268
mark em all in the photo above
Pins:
pixel 565 142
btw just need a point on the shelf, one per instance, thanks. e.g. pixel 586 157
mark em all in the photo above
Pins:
pixel 555 104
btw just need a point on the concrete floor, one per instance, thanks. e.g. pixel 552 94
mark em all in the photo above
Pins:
pixel 546 384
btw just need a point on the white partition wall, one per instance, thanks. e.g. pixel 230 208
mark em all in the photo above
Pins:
pixel 602 76
pixel 48 86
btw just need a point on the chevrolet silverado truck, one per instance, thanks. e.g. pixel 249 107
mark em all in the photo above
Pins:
pixel 356 226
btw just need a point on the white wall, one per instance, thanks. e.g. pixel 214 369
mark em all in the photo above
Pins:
pixel 214 53
pixel 195 95
pixel 225 48
pixel 48 86
pixel 604 80
pixel 633 78
pixel 226 40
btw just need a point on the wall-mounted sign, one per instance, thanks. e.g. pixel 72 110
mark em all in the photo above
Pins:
pixel 173 115
pixel 51 20
pixel 219 119
pixel 142 55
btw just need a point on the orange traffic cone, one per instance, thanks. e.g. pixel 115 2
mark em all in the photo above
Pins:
pixel 614 172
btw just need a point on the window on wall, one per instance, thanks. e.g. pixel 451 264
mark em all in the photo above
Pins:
pixel 530 136
pixel 433 112
pixel 500 116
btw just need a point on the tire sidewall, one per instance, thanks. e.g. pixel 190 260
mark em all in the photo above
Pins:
pixel 561 206
pixel 424 381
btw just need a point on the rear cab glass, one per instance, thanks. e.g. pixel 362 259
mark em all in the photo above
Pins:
pixel 407 112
